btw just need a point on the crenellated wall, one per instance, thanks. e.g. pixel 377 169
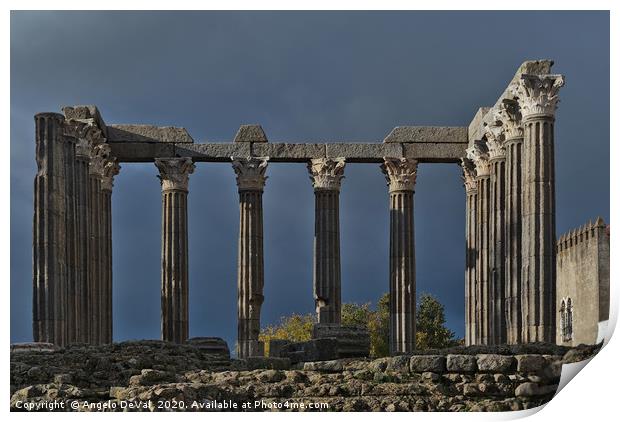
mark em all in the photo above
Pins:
pixel 582 277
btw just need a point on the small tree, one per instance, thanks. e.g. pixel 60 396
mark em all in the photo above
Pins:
pixel 430 325
pixel 296 327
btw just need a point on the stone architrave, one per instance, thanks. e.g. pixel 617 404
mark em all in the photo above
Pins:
pixel 538 98
pixel 479 154
pixel 400 174
pixel 53 230
pixel 510 116
pixel 471 255
pixel 174 177
pixel 326 175
pixel 110 169
pixel 494 134
pixel 251 179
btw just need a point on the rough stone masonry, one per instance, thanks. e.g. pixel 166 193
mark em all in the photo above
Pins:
pixel 508 166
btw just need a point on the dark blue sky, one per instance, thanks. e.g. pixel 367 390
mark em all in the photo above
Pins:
pixel 303 76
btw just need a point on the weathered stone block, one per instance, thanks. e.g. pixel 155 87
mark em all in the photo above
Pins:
pixel 250 133
pixel 461 363
pixel 324 366
pixel 495 363
pixel 363 151
pixel 427 363
pixel 33 347
pixel 398 364
pixel 288 151
pixel 531 389
pixel 312 350
pixel 213 345
pixel 260 362
pixel 426 134
pixel 141 151
pixel 353 341
pixel 148 133
pixel 214 151
pixel 530 363
pixel 275 347
pixel 446 152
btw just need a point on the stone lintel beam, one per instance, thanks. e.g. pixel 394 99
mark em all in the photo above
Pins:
pixel 354 152
pixel 427 134
pixel 149 134
pixel 532 67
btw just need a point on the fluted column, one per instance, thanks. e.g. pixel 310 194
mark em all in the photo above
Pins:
pixel 401 174
pixel 250 267
pixel 174 177
pixel 510 117
pixel 99 157
pixel 326 175
pixel 110 170
pixel 497 227
pixel 83 152
pixel 54 205
pixel 538 97
pixel 471 255
pixel 478 153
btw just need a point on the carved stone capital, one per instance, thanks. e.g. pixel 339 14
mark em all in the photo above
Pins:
pixel 509 115
pixel 83 149
pixel 400 173
pixel 98 158
pixel 538 95
pixel 110 169
pixel 494 133
pixel 174 172
pixel 250 172
pixel 326 173
pixel 479 154
pixel 469 175
pixel 80 129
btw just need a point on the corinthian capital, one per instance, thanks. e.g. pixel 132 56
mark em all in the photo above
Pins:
pixel 509 115
pixel 469 175
pixel 494 133
pixel 400 173
pixel 174 172
pixel 538 94
pixel 98 158
pixel 326 173
pixel 479 154
pixel 110 169
pixel 250 172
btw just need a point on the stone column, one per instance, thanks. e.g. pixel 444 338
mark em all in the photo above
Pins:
pixel 250 269
pixel 174 177
pixel 471 255
pixel 99 157
pixel 326 175
pixel 538 97
pixel 401 176
pixel 497 226
pixel 53 238
pixel 479 154
pixel 82 155
pixel 510 117
pixel 110 170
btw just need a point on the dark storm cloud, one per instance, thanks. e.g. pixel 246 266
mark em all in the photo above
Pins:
pixel 303 76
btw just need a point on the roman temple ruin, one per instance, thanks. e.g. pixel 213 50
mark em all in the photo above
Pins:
pixel 507 157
